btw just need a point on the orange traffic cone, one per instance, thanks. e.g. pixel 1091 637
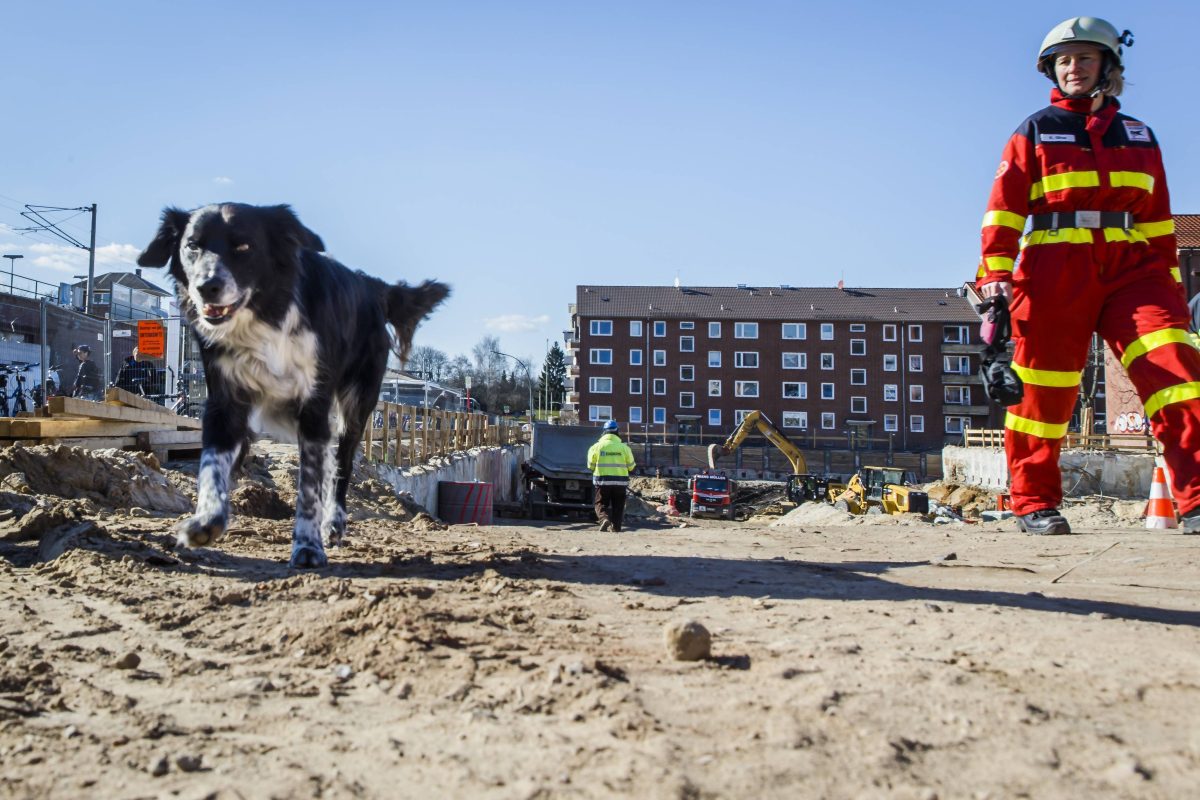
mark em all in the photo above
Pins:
pixel 1160 511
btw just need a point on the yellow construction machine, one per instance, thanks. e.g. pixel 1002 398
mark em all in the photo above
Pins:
pixel 801 485
pixel 882 488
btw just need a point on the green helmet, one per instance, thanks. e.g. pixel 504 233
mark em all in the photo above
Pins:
pixel 1081 30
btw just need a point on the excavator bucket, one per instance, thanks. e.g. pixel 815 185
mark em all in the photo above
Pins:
pixel 714 450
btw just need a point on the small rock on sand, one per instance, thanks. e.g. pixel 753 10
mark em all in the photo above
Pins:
pixel 687 640
pixel 128 661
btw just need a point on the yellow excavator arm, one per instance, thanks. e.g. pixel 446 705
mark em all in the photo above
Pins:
pixel 757 421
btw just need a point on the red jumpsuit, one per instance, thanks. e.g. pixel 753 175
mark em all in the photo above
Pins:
pixel 1069 282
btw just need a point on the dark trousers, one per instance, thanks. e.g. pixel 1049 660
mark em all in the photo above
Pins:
pixel 610 504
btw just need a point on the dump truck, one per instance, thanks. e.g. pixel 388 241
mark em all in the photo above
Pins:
pixel 556 477
pixel 802 485
pixel 887 489
pixel 711 494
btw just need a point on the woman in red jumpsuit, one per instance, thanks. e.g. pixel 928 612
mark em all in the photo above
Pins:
pixel 1079 237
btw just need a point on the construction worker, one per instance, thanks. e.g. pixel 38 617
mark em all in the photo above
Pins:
pixel 1078 237
pixel 610 461
pixel 87 381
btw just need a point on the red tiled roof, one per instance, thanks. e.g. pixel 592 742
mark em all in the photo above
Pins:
pixel 1187 231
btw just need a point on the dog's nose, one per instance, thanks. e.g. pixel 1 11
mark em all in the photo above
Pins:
pixel 211 289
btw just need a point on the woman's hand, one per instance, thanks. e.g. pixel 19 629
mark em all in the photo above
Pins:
pixel 995 288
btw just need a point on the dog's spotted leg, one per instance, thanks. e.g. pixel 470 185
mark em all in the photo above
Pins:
pixel 308 552
pixel 211 519
pixel 333 516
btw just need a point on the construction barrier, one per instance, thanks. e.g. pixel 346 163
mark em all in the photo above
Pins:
pixel 1160 511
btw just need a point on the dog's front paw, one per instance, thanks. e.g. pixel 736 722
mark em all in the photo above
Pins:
pixel 334 534
pixel 307 556
pixel 198 532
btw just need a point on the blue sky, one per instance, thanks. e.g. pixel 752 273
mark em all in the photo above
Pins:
pixel 517 149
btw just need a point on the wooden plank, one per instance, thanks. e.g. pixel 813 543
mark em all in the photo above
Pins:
pixel 122 397
pixel 41 428
pixel 86 408
pixel 151 439
pixel 88 443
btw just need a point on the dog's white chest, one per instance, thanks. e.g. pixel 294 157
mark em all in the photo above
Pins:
pixel 276 365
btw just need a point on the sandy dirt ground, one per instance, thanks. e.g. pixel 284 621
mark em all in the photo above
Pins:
pixel 851 657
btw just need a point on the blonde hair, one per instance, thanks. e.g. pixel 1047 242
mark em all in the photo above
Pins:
pixel 1115 83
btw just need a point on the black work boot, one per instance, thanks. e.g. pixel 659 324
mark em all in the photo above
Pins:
pixel 1190 522
pixel 1044 522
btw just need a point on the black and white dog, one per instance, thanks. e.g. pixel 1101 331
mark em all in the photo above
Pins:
pixel 293 343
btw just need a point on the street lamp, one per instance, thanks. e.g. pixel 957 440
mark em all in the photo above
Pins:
pixel 12 262
pixel 528 377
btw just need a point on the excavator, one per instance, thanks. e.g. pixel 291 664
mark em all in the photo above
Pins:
pixel 802 485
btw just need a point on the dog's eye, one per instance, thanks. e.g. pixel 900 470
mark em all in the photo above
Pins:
pixel 193 245
pixel 242 248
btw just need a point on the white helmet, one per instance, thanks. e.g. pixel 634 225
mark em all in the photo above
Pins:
pixel 1083 30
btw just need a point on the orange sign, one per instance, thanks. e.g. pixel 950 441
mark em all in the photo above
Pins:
pixel 152 338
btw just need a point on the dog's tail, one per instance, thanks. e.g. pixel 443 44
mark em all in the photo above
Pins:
pixel 407 306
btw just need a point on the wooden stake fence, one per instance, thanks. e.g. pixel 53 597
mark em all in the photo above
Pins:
pixel 404 436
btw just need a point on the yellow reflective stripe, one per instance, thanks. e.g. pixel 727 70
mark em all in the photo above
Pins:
pixel 1136 180
pixel 1172 394
pixel 1176 275
pixel 1043 430
pixel 1048 377
pixel 999 264
pixel 1122 235
pixel 1152 229
pixel 1006 218
pixel 1064 180
pixel 1061 236
pixel 1144 344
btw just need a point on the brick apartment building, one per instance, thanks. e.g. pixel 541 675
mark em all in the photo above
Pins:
pixel 830 366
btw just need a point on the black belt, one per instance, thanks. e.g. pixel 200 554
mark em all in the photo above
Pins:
pixel 1082 219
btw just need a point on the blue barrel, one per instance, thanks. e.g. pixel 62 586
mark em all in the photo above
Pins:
pixel 460 502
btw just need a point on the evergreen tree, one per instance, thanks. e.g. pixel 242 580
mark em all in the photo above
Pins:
pixel 552 382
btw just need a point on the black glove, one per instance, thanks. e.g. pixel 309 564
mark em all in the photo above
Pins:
pixel 1000 383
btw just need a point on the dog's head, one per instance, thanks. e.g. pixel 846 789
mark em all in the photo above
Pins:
pixel 221 255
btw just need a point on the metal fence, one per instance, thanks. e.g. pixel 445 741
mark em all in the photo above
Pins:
pixel 46 350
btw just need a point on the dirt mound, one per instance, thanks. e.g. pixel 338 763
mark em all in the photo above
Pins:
pixel 656 489
pixel 971 499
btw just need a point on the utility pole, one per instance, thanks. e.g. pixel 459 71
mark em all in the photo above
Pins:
pixel 87 305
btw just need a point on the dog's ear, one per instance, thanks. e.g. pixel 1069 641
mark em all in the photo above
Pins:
pixel 287 228
pixel 407 306
pixel 166 241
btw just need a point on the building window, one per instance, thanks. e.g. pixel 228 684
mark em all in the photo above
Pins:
pixel 858 377
pixel 660 329
pixel 635 358
pixel 714 388
pixel 739 416
pixel 916 363
pixel 687 373
pixel 746 359
pixel 714 330
pixel 916 393
pixel 891 423
pixel 827 391
pixel 795 419
pixel 858 327
pixel 890 393
pixel 958 395
pixel 889 333
pixel 826 360
pixel 858 347
pixel 599 413
pixel 957 424
pixel 955 334
pixel 795 390
pixel 635 327
pixel 745 330
pixel 600 385
pixel 687 399
pixel 858 405
pixel 956 365
pixel 660 415
pixel 635 415
pixel 635 385
pixel 914 333
pixel 916 423
pixel 686 326
pixel 660 358
pixel 600 356
pixel 827 331
pixel 828 420
pixel 602 327
pixel 100 299
pixel 660 385
pixel 714 358
pixel 795 360
pixel 714 416
pixel 795 330
pixel 890 363
pixel 745 388
pixel 687 344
